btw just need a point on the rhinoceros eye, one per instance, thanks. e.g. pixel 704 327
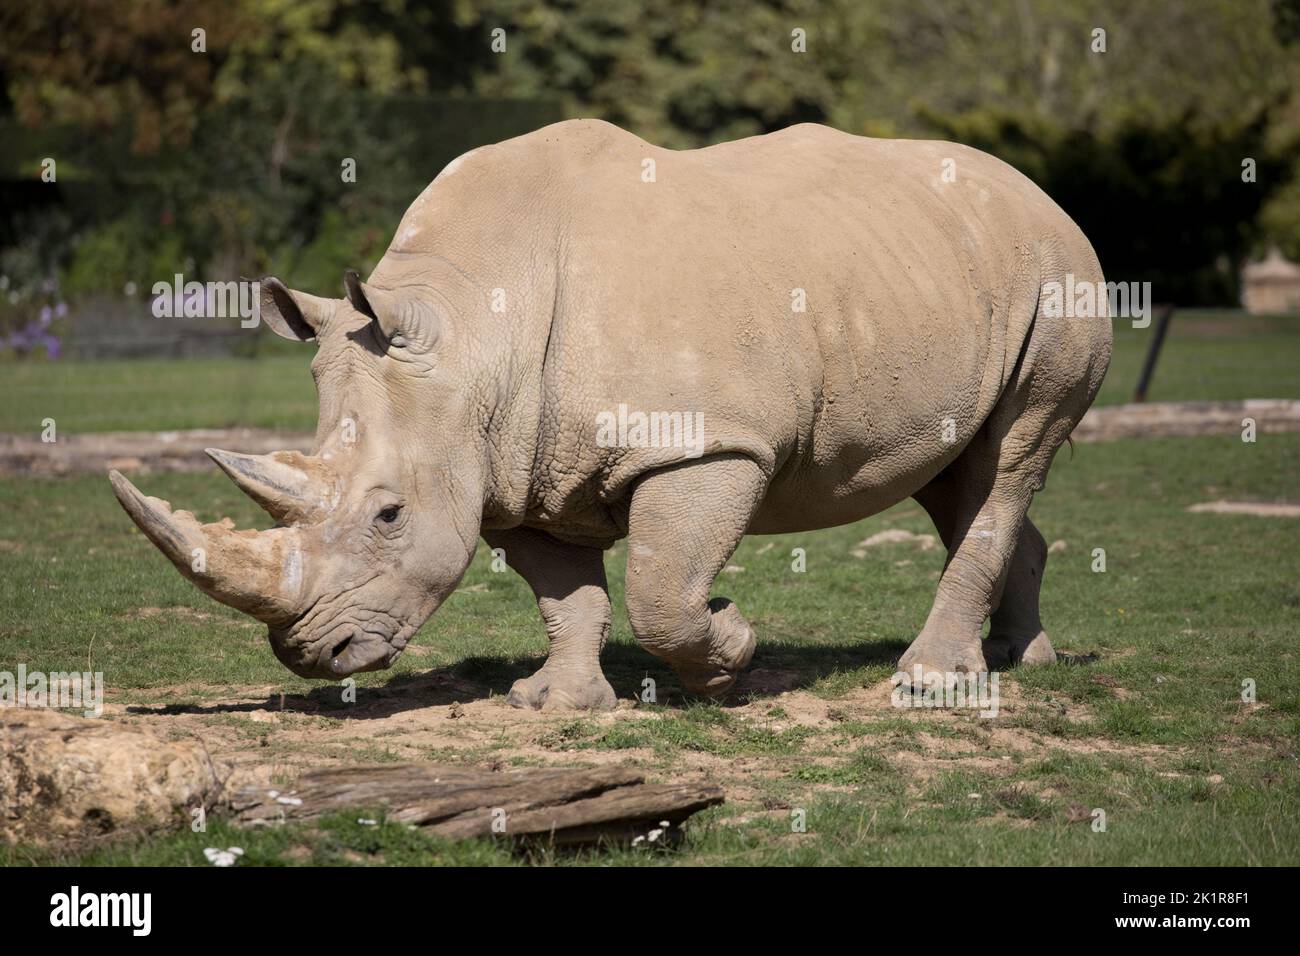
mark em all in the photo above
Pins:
pixel 389 514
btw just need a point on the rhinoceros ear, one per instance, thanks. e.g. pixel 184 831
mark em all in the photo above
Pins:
pixel 352 282
pixel 292 315
pixel 405 318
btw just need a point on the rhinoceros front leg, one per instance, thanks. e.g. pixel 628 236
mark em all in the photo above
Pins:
pixel 683 525
pixel 569 583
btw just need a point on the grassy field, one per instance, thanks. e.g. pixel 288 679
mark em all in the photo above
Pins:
pixel 1149 726
pixel 159 394
pixel 1208 355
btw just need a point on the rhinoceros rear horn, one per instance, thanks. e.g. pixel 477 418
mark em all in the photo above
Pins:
pixel 257 572
pixel 291 487
pixel 292 315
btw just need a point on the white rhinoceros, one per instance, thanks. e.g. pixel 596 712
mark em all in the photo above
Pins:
pixel 842 322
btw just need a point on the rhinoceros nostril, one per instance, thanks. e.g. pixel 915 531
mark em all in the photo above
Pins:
pixel 341 646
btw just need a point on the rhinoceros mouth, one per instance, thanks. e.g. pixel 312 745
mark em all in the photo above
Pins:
pixel 343 650
pixel 359 652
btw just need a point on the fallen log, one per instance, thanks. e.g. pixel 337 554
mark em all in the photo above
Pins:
pixel 563 807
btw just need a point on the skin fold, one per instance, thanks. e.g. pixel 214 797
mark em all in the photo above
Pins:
pixel 849 321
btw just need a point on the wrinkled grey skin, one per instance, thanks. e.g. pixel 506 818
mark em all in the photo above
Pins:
pixel 544 280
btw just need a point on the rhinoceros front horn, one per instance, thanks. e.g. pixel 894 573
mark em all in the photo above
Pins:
pixel 257 572
pixel 289 486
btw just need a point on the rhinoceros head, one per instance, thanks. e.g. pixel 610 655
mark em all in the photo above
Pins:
pixel 373 529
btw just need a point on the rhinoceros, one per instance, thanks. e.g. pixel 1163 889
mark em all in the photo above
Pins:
pixel 576 337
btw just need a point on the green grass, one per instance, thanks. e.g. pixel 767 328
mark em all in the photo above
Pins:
pixel 1207 355
pixel 1176 827
pixel 1190 605
pixel 159 394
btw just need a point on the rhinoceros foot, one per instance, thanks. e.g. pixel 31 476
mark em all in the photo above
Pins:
pixel 940 657
pixel 704 680
pixel 1008 650
pixel 730 653
pixel 553 688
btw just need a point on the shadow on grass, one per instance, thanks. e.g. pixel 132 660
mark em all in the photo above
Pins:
pixel 774 670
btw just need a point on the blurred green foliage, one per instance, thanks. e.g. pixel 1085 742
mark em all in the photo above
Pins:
pixel 1162 199
pixel 227 161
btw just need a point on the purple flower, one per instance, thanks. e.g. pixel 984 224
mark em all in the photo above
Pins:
pixel 32 336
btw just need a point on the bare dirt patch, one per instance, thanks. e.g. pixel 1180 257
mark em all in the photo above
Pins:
pixel 1262 509
pixel 139 452
pixel 439 717
pixel 1181 419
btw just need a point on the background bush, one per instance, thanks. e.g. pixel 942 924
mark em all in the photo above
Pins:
pixel 227 162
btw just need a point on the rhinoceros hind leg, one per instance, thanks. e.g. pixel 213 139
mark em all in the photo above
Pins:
pixel 683 525
pixel 569 583
pixel 1016 633
pixel 995 555
pixel 980 501
pixel 978 505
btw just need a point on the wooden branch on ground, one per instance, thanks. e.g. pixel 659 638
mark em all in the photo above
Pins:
pixel 566 807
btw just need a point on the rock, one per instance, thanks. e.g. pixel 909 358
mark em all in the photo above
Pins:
pixel 65 777
pixel 1056 547
pixel 926 542
pixel 1078 813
